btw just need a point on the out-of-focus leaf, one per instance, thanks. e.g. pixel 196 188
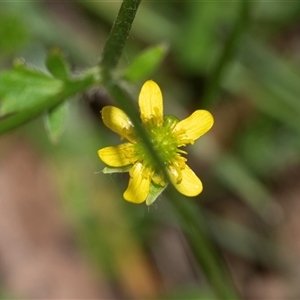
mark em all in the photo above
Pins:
pixel 241 80
pixel 277 13
pixel 55 121
pixel 57 65
pixel 264 142
pixel 230 47
pixel 71 88
pixel 239 179
pixel 146 63
pixel 22 87
pixel 243 241
pixel 13 32
pixel 194 225
pixel 198 42
pixel 276 74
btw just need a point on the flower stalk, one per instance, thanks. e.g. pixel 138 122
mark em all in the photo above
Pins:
pixel 110 56
pixel 119 33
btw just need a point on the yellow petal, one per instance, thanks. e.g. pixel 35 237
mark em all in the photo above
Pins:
pixel 118 156
pixel 117 121
pixel 189 184
pixel 139 184
pixel 191 128
pixel 151 102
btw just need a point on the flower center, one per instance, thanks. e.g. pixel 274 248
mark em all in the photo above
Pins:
pixel 163 141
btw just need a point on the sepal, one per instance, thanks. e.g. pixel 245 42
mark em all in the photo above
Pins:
pixel 110 170
pixel 155 191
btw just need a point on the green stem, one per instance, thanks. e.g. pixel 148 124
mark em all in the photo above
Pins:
pixel 119 33
pixel 124 102
pixel 204 251
pixel 111 54
pixel 193 224
pixel 227 53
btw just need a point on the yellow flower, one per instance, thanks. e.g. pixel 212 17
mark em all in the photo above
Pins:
pixel 167 134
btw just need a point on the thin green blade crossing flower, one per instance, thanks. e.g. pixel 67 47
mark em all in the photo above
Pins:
pixel 167 135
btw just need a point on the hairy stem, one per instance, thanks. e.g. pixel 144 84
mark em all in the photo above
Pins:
pixel 119 33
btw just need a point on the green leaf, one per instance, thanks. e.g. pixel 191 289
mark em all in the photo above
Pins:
pixel 251 245
pixel 194 225
pixel 198 44
pixel 57 65
pixel 55 121
pixel 146 63
pixel 236 175
pixel 22 87
pixel 277 74
pixel 14 33
pixel 71 88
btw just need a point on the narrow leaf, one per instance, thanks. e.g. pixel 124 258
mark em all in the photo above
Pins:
pixel 55 121
pixel 57 65
pixel 146 63
pixel 235 174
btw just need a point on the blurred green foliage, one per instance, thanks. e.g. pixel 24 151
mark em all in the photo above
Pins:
pixel 255 103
